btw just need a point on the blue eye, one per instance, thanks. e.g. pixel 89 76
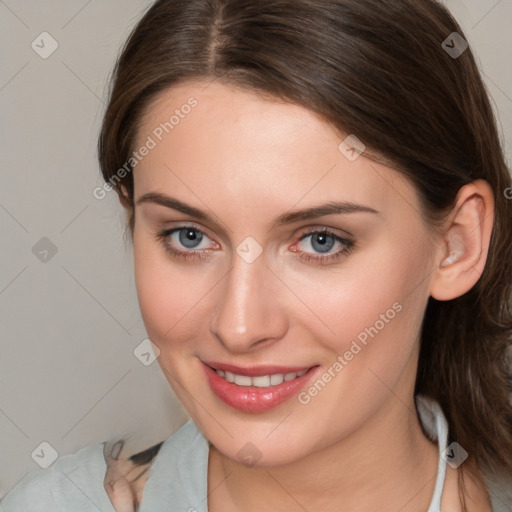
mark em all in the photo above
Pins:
pixel 191 238
pixel 188 236
pixel 323 241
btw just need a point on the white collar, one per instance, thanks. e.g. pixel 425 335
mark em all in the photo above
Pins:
pixel 434 422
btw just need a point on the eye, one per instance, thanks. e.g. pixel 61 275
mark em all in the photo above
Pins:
pixel 323 241
pixel 189 237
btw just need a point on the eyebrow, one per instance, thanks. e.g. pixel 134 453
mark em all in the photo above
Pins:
pixel 314 212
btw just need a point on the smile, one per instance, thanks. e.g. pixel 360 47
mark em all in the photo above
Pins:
pixel 256 389
pixel 264 381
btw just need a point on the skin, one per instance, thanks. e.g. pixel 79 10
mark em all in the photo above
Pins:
pixel 246 160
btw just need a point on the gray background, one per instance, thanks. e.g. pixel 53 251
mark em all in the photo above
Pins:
pixel 70 321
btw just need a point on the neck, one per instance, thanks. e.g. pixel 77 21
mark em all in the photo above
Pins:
pixel 388 464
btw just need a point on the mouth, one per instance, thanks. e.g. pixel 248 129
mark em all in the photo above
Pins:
pixel 256 389
pixel 261 381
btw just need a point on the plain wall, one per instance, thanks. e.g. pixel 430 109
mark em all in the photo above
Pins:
pixel 70 320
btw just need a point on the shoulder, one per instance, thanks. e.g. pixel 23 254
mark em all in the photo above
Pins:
pixel 144 476
pixel 104 477
pixel 74 481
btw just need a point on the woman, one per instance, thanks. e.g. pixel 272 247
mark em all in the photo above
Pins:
pixel 317 198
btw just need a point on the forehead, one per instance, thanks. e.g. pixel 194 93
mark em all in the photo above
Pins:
pixel 216 142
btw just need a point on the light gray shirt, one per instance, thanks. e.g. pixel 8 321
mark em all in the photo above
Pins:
pixel 177 481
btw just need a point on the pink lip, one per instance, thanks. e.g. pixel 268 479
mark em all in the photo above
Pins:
pixel 252 398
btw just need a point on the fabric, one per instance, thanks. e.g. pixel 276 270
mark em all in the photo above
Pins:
pixel 178 477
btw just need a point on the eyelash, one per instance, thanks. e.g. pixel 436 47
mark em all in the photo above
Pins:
pixel 322 260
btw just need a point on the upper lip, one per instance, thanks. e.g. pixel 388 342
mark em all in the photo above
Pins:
pixel 255 371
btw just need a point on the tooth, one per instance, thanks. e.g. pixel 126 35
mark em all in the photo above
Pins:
pixel 278 378
pixel 243 380
pixel 261 382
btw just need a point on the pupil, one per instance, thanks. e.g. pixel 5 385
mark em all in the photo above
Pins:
pixel 187 236
pixel 320 242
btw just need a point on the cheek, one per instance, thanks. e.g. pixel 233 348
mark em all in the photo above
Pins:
pixel 168 294
pixel 371 312
pixel 374 291
pixel 374 312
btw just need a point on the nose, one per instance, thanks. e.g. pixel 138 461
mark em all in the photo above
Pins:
pixel 249 314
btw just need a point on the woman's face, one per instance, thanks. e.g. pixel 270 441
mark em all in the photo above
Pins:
pixel 261 291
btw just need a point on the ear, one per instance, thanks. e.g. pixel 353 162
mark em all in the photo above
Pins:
pixel 465 242
pixel 124 194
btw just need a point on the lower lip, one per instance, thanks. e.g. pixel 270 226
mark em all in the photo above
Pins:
pixel 252 398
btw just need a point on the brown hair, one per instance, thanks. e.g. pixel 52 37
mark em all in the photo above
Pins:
pixel 376 69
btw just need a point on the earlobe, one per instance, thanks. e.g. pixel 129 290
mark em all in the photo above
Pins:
pixel 465 242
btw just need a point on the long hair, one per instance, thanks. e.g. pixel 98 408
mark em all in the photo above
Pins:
pixel 394 73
